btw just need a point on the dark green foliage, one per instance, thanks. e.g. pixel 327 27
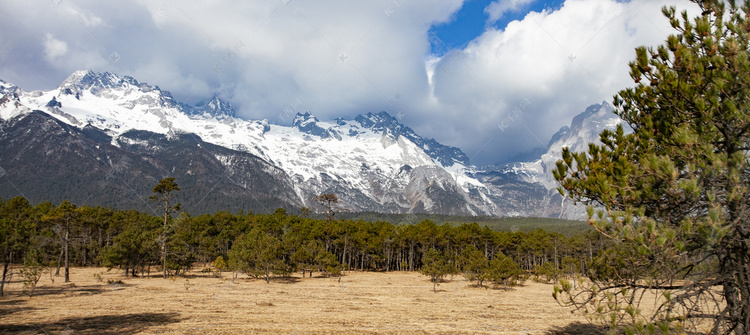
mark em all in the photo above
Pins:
pixel 313 257
pixel 475 265
pixel 504 271
pixel 134 245
pixel 509 224
pixel 436 266
pixel 570 266
pixel 257 253
pixel 183 244
pixel 276 244
pixel 674 194
pixel 547 272
pixel 165 196
pixel 16 230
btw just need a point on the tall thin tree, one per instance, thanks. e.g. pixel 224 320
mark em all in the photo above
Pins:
pixel 164 194
pixel 327 200
pixel 63 217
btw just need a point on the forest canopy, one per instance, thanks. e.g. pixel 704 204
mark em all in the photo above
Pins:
pixel 276 244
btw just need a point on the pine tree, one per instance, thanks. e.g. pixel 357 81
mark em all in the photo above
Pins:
pixel 63 217
pixel 257 253
pixel 674 194
pixel 16 231
pixel 475 266
pixel 165 195
pixel 436 265
pixel 327 200
pixel 504 271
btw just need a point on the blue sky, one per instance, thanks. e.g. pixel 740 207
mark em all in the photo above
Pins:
pixel 471 21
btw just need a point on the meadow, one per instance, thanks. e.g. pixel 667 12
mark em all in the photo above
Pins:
pixel 97 301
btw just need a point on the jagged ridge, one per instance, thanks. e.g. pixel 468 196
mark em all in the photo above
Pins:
pixel 373 162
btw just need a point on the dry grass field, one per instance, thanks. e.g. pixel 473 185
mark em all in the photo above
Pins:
pixel 369 303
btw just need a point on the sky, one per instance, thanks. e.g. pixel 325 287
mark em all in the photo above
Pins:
pixel 494 78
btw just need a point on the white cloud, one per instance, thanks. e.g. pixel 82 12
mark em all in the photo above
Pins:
pixel 86 19
pixel 514 88
pixel 54 48
pixel 338 59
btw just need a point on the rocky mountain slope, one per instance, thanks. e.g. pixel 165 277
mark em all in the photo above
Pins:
pixel 528 188
pixel 104 139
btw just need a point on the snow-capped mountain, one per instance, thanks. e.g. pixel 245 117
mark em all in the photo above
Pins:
pixel 373 163
pixel 213 108
pixel 528 188
pixel 584 129
pixel 378 161
pixel 108 139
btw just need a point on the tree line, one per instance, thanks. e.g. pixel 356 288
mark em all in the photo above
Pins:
pixel 276 244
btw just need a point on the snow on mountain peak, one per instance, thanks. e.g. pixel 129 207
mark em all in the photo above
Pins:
pixel 593 113
pixel 379 122
pixel 373 162
pixel 216 107
pixel 584 129
pixel 363 160
pixel 304 119
pixel 384 122
pixel 7 87
pixel 95 81
pixel 10 105
pixel 77 77
pixel 309 124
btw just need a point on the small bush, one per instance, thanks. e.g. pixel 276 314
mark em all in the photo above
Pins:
pixel 99 277
pixel 31 273
pixel 504 271
pixel 114 282
pixel 547 272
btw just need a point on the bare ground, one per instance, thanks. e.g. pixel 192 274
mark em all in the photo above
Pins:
pixel 371 303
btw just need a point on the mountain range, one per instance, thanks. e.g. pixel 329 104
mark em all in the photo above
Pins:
pixel 528 188
pixel 106 139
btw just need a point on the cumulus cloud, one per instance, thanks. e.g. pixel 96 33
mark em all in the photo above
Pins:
pixel 517 86
pixel 502 95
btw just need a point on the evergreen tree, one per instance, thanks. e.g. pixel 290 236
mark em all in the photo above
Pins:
pixel 675 192
pixel 134 244
pixel 183 244
pixel 63 217
pixel 504 271
pixel 475 265
pixel 257 253
pixel 16 231
pixel 165 195
pixel 436 266
pixel 327 200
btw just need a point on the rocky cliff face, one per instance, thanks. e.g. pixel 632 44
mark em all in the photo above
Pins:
pixel 45 159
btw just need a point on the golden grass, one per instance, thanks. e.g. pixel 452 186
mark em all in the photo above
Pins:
pixel 375 303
